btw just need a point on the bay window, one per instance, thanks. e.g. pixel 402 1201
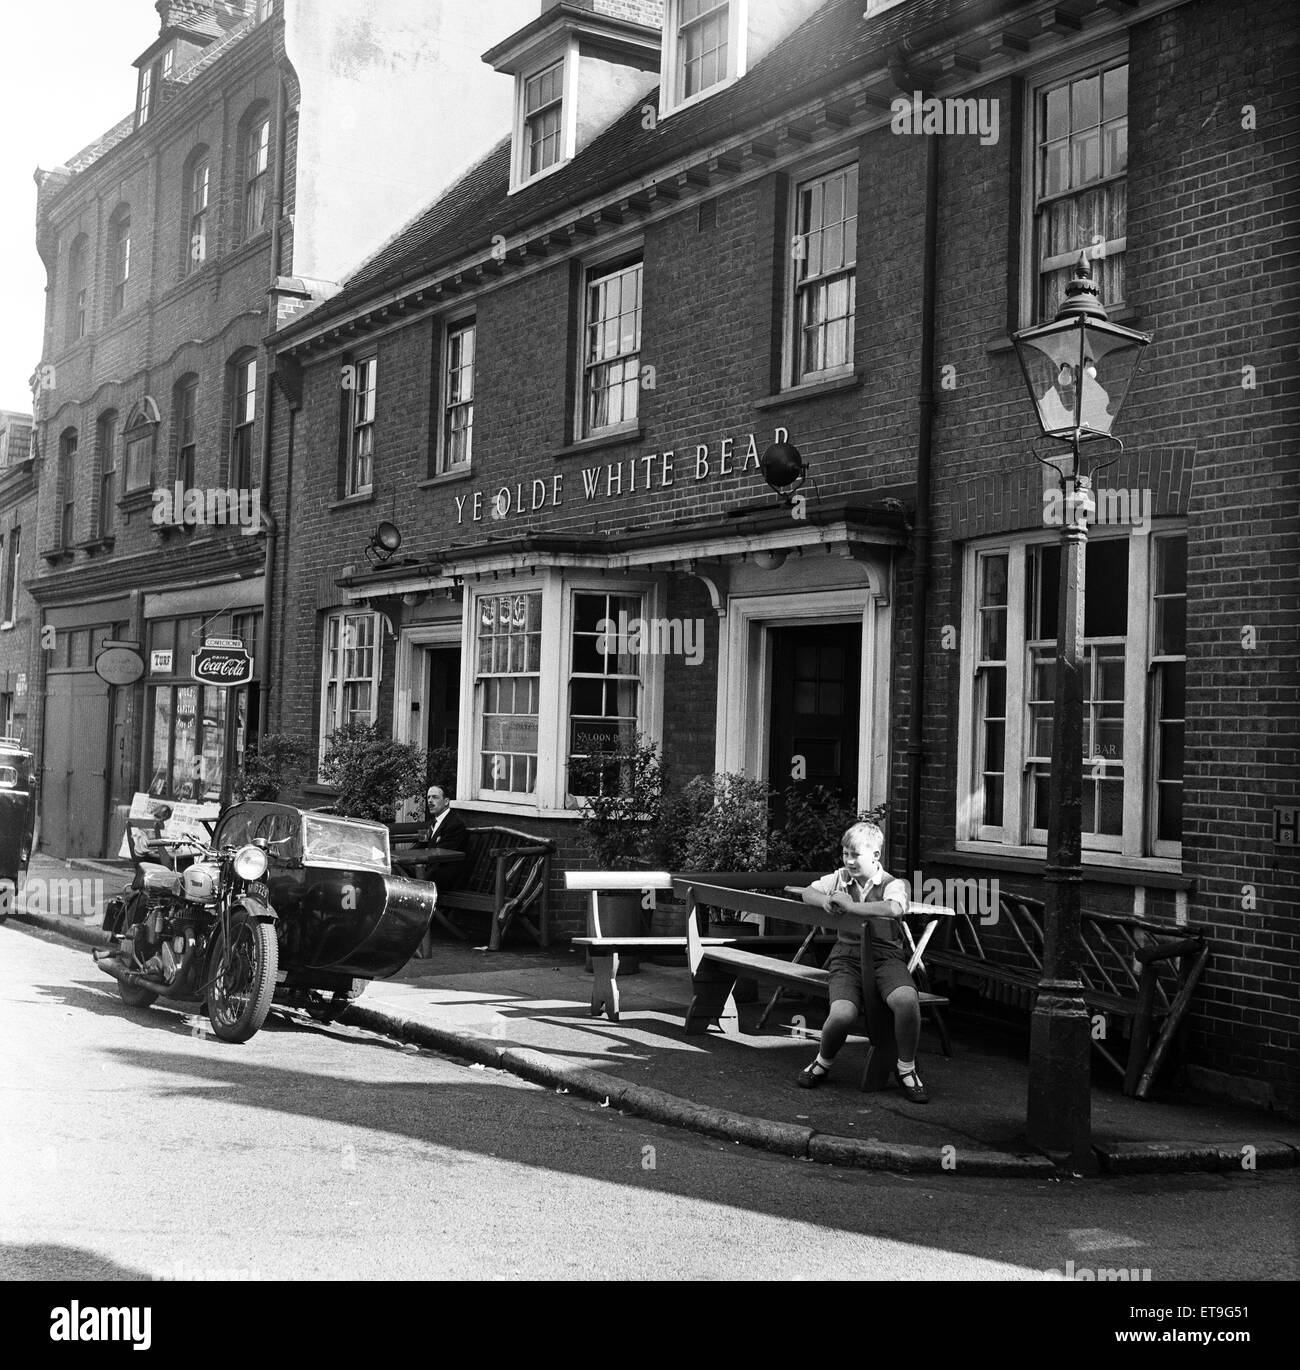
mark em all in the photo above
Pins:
pixel 350 672
pixel 507 690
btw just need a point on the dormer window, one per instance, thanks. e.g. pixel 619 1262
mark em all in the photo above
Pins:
pixel 151 78
pixel 703 49
pixel 543 110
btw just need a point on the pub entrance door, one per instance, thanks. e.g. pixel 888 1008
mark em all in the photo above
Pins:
pixel 74 785
pixel 816 692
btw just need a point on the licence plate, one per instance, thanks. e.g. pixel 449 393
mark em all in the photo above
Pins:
pixel 259 890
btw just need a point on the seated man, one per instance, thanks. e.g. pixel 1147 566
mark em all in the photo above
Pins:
pixel 447 830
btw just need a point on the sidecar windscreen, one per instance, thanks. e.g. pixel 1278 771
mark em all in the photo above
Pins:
pixel 348 843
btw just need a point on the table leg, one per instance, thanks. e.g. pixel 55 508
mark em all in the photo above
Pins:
pixel 604 985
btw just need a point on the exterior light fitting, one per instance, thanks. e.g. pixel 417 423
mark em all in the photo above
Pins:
pixel 384 541
pixel 783 469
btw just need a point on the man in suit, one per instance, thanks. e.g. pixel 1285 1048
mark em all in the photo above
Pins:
pixel 446 829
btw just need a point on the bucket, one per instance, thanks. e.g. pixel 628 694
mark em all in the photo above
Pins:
pixel 621 915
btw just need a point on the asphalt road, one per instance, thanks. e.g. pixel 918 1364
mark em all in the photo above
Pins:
pixel 135 1145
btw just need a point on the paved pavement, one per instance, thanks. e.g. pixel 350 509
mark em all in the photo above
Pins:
pixel 529 1012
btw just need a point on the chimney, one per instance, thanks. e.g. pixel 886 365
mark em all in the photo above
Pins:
pixel 647 12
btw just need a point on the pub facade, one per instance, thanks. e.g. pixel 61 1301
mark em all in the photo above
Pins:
pixel 691 411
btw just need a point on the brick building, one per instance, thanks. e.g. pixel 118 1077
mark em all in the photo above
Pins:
pixel 715 226
pixel 271 146
pixel 17 508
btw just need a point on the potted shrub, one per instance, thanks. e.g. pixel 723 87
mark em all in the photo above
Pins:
pixel 374 773
pixel 620 794
pixel 272 764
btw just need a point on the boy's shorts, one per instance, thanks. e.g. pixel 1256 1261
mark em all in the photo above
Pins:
pixel 845 967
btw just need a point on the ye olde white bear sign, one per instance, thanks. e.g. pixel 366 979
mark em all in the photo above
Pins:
pixel 609 480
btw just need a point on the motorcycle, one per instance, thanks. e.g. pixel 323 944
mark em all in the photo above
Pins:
pixel 206 933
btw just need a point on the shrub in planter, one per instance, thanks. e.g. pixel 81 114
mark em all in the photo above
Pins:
pixel 815 821
pixel 273 764
pixel 374 773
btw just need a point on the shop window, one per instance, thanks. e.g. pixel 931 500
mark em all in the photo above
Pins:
pixel 507 689
pixel 611 358
pixel 824 251
pixel 188 741
pixel 1133 679
pixel 1079 184
pixel 350 672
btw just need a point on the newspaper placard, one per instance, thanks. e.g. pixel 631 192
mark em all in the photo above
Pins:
pixel 180 818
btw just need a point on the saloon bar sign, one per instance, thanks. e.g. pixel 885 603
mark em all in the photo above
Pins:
pixel 222 661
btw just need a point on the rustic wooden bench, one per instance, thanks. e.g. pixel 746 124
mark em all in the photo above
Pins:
pixel 607 951
pixel 715 969
pixel 504 874
pixel 1128 973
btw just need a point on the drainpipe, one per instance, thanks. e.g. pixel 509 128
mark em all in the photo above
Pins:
pixel 921 532
pixel 269 525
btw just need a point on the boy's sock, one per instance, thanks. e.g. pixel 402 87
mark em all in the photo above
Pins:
pixel 823 1061
pixel 906 1067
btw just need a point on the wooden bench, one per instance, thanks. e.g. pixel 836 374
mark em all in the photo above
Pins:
pixel 715 969
pixel 1127 969
pixel 504 874
pixel 606 951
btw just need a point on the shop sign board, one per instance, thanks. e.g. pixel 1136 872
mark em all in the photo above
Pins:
pixel 119 665
pixel 223 663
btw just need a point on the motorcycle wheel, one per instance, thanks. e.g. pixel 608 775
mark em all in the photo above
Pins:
pixel 324 1010
pixel 135 998
pixel 239 999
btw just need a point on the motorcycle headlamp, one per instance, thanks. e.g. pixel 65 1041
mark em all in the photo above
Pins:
pixel 250 862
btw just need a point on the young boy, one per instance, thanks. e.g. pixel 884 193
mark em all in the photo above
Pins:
pixel 862 886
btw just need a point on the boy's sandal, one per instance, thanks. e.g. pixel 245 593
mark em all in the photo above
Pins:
pixel 811 1076
pixel 911 1085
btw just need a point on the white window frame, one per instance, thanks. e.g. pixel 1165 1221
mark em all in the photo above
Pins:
pixel 565 52
pixel 791 332
pixel 1107 54
pixel 558 587
pixel 332 716
pixel 1005 839
pixel 255 170
pixel 243 417
pixel 607 264
pixel 362 398
pixel 455 324
pixel 196 241
pixel 671 75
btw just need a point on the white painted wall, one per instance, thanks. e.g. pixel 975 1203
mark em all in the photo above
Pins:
pixel 396 103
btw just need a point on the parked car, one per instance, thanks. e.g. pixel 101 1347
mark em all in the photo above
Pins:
pixel 342 917
pixel 17 817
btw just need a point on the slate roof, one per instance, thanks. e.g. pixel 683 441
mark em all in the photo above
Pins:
pixel 226 38
pixel 830 46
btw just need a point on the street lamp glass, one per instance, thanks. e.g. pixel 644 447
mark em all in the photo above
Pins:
pixel 1078 370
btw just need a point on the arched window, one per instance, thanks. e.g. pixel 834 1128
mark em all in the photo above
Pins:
pixel 67 485
pixel 106 458
pixel 255 168
pixel 119 259
pixel 198 197
pixel 185 397
pixel 243 415
pixel 140 439
pixel 76 297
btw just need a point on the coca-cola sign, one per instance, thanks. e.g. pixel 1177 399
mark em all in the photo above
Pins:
pixel 222 665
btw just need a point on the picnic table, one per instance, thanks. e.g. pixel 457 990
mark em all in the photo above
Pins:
pixel 425 863
pixel 715 969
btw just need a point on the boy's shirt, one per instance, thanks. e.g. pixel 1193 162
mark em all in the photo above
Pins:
pixel 884 931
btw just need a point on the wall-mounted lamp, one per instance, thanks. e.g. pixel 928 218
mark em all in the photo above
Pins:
pixel 384 541
pixel 784 469
pixel 770 560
